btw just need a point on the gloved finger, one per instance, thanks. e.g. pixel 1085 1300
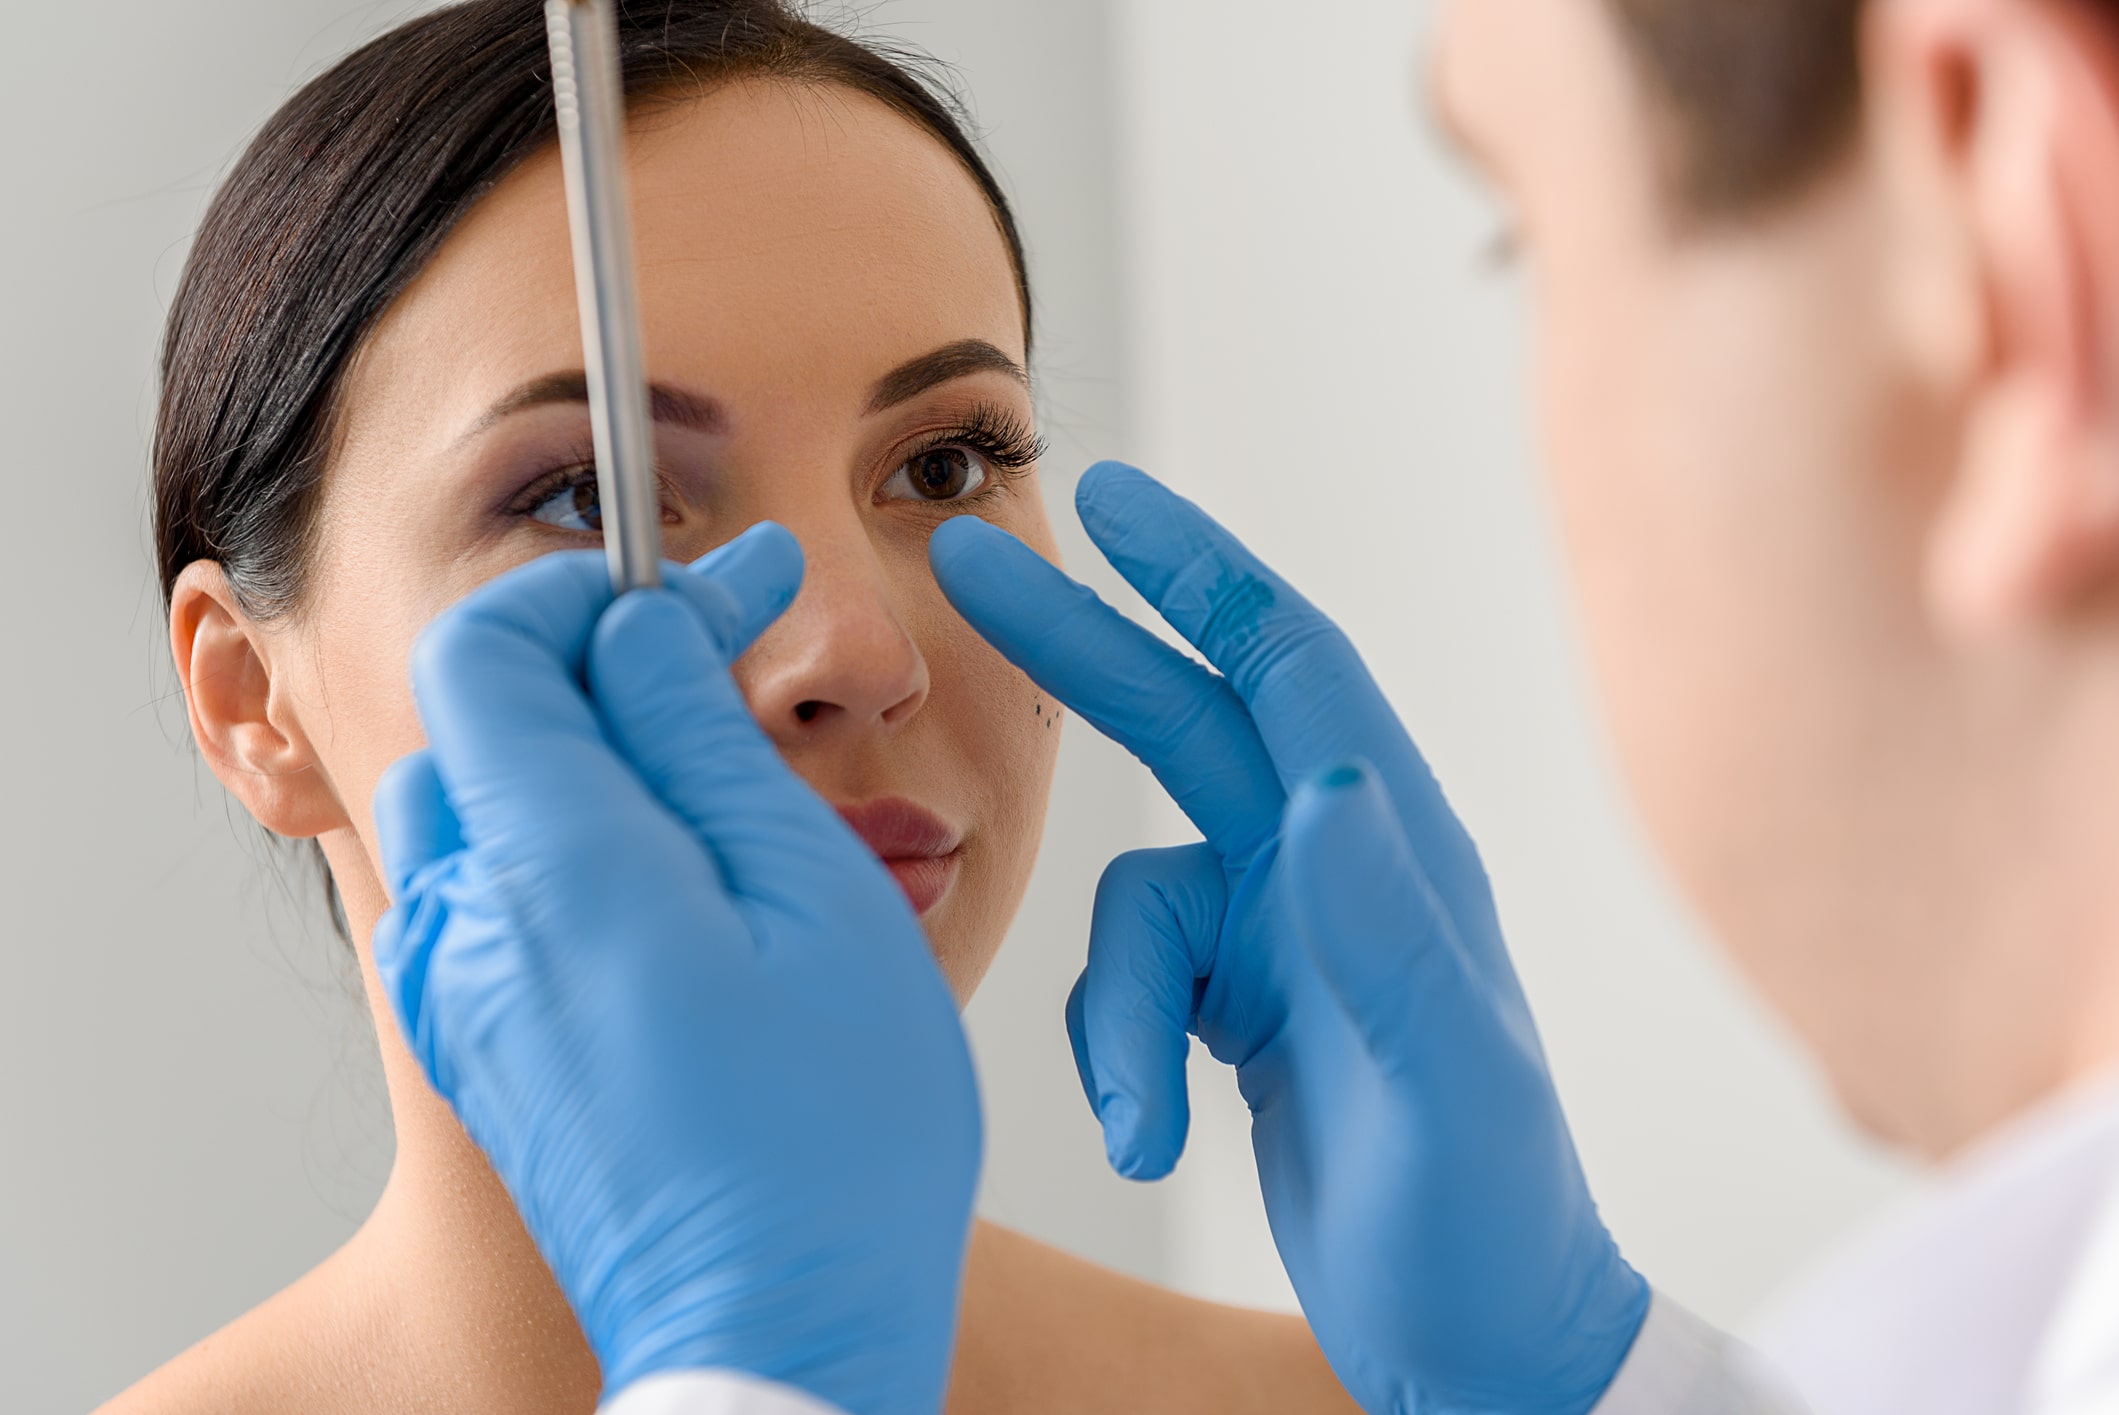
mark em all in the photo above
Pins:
pixel 1158 914
pixel 404 943
pixel 498 680
pixel 498 676
pixel 1182 721
pixel 414 823
pixel 420 840
pixel 1078 1040
pixel 760 573
pixel 676 715
pixel 1307 689
pixel 1384 944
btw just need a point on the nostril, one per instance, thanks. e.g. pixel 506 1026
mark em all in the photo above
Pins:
pixel 806 713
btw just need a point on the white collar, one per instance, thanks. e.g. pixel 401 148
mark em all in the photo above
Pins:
pixel 2077 1367
pixel 1963 1299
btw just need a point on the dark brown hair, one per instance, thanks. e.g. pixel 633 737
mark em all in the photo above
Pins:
pixel 1760 96
pixel 347 192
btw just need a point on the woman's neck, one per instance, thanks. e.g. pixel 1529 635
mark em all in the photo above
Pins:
pixel 461 1279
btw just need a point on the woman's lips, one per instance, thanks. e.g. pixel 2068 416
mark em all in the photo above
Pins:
pixel 921 850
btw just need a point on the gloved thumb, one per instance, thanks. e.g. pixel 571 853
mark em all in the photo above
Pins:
pixel 1158 914
pixel 1373 924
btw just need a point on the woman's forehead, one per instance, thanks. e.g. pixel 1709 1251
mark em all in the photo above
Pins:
pixel 782 232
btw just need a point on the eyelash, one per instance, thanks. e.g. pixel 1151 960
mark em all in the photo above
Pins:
pixel 1001 439
pixel 579 467
pixel 1006 443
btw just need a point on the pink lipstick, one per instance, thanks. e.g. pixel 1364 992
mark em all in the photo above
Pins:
pixel 921 850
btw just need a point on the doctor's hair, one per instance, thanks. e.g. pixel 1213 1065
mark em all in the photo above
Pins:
pixel 345 195
pixel 1759 98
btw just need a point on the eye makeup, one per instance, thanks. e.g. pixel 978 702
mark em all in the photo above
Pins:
pixel 996 437
pixel 566 497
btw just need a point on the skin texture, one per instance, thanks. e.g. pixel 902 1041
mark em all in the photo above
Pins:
pixel 1838 480
pixel 794 246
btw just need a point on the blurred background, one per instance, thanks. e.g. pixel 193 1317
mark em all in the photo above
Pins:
pixel 1260 275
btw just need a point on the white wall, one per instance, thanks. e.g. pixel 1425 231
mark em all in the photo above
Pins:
pixel 1314 349
pixel 187 1117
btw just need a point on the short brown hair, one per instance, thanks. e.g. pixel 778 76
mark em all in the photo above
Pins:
pixel 1761 95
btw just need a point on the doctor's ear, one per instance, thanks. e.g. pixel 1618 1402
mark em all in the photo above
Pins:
pixel 1997 123
pixel 240 714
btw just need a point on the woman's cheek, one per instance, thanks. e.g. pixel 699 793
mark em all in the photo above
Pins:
pixel 998 737
pixel 1020 729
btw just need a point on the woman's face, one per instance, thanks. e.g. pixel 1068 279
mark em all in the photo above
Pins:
pixel 835 339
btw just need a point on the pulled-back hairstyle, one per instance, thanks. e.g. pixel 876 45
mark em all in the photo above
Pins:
pixel 347 192
pixel 345 195
pixel 1758 96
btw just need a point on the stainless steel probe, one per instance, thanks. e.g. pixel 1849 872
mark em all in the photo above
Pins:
pixel 588 89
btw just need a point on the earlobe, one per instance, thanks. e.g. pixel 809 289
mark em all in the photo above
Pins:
pixel 2009 112
pixel 240 717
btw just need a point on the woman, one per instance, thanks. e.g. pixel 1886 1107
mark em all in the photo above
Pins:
pixel 372 401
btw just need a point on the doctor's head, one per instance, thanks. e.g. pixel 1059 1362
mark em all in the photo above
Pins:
pixel 1828 305
pixel 373 401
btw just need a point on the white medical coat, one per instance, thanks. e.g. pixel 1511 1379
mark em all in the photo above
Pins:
pixel 1994 1292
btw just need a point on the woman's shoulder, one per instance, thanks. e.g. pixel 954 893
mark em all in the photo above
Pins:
pixel 1044 1330
pixel 305 1348
pixel 387 1325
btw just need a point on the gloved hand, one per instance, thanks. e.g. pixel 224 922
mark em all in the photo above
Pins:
pixel 1334 940
pixel 683 1009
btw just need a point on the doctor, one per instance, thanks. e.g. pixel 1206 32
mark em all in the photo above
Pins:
pixel 1829 296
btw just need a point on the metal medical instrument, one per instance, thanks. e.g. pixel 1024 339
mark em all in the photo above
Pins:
pixel 588 89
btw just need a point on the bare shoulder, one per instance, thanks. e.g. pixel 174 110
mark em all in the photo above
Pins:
pixel 1043 1330
pixel 411 1317
pixel 311 1347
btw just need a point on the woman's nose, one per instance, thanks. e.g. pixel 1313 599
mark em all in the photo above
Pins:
pixel 839 662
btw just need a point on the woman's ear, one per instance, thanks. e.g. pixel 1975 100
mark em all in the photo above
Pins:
pixel 1999 122
pixel 241 717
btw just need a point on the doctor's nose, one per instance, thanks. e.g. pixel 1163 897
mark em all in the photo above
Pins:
pixel 840 662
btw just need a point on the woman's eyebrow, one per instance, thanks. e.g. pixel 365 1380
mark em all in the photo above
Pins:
pixel 952 361
pixel 665 403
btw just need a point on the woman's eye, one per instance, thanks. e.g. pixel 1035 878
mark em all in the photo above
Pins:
pixel 939 474
pixel 573 507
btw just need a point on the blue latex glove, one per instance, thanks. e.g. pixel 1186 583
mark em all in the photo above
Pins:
pixel 683 1009
pixel 1333 939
